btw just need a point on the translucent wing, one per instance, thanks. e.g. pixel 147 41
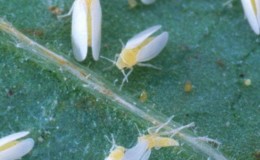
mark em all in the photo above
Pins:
pixel 79 30
pixel 96 16
pixel 258 12
pixel 146 155
pixel 140 37
pixel 153 48
pixel 250 14
pixel 136 152
pixel 18 150
pixel 12 137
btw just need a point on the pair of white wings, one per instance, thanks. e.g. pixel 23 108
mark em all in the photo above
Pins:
pixel 252 17
pixel 139 152
pixel 18 150
pixel 79 28
pixel 153 48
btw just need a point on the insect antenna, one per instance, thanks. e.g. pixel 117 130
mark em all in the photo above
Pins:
pixel 67 14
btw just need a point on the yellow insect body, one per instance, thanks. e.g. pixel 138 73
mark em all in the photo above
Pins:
pixel 117 154
pixel 128 57
pixel 89 19
pixel 8 145
pixel 155 141
pixel 254 6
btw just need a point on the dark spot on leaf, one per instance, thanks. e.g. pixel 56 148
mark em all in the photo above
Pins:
pixel 35 32
pixel 10 92
pixel 220 63
pixel 185 48
pixel 257 155
pixel 55 10
pixel 241 75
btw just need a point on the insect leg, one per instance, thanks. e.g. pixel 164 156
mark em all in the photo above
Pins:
pixel 67 14
pixel 156 129
pixel 148 65
pixel 175 131
pixel 112 141
pixel 125 77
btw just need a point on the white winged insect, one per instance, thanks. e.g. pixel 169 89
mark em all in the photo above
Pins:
pixel 140 48
pixel 252 12
pixel 142 150
pixel 12 148
pixel 86 28
pixel 155 139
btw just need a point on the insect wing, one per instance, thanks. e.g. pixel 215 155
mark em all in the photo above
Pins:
pixel 136 152
pixel 79 30
pixel 257 2
pixel 250 14
pixel 18 150
pixel 146 155
pixel 153 48
pixel 96 16
pixel 12 137
pixel 140 37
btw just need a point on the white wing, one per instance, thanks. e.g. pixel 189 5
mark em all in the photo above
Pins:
pixel 250 14
pixel 12 137
pixel 153 48
pixel 136 152
pixel 96 16
pixel 17 151
pixel 79 30
pixel 146 155
pixel 140 37
pixel 257 2
pixel 147 1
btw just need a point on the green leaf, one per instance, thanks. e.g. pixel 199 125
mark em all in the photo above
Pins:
pixel 210 45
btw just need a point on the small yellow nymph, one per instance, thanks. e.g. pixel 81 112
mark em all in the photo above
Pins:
pixel 143 96
pixel 132 3
pixel 247 82
pixel 188 87
pixel 11 148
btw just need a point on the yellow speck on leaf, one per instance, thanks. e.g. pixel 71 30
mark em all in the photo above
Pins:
pixel 143 96
pixel 247 82
pixel 188 86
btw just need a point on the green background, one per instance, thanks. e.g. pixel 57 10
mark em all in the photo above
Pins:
pixel 210 45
